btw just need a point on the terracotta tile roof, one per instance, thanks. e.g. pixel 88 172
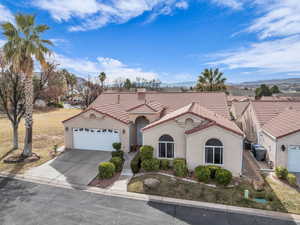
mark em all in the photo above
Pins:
pixel 285 123
pixel 198 110
pixel 238 108
pixel 171 101
pixel 266 110
pixel 154 106
pixel 119 105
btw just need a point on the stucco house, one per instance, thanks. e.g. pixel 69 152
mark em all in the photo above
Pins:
pixel 276 126
pixel 194 126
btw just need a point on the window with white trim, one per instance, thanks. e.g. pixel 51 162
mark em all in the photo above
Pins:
pixel 214 152
pixel 166 147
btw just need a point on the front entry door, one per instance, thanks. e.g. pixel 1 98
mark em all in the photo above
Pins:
pixel 140 122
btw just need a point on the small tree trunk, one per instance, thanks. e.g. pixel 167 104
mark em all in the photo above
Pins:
pixel 15 137
pixel 27 151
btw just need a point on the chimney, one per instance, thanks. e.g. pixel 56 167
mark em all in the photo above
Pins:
pixel 141 93
pixel 118 99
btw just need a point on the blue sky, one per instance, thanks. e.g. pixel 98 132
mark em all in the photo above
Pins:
pixel 171 40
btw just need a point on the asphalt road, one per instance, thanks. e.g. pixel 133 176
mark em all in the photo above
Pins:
pixel 28 203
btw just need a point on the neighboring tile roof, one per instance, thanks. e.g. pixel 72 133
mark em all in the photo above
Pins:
pixel 285 123
pixel 198 110
pixel 238 108
pixel 266 110
pixel 233 98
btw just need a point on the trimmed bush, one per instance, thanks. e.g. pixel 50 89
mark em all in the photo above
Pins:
pixel 146 152
pixel 106 170
pixel 118 162
pixel 150 164
pixel 292 179
pixel 223 176
pixel 180 168
pixel 117 146
pixel 213 169
pixel 179 160
pixel 281 172
pixel 135 163
pixel 165 164
pixel 202 173
pixel 118 154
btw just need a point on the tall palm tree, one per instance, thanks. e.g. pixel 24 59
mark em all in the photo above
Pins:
pixel 211 80
pixel 102 78
pixel 24 44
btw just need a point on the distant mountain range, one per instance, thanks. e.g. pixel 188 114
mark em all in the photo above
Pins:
pixel 274 81
pixel 248 83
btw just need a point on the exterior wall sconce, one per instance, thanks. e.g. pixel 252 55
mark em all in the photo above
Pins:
pixel 283 148
pixel 123 131
pixel 66 129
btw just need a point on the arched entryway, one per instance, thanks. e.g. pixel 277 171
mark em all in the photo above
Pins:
pixel 140 123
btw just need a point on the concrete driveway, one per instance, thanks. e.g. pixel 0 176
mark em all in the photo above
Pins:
pixel 76 167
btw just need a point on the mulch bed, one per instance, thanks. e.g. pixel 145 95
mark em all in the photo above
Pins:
pixel 104 183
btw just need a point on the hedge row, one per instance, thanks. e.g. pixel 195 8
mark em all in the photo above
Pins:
pixel 204 173
pixel 107 170
pixel 283 173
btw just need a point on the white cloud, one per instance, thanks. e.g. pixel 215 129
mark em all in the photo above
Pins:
pixel 182 5
pixel 281 55
pixel 234 4
pixel 112 67
pixel 96 14
pixel 5 14
pixel 279 18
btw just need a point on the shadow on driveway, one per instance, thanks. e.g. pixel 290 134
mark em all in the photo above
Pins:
pixel 74 167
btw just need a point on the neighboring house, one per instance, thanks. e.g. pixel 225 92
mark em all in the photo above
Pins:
pixel 194 126
pixel 276 126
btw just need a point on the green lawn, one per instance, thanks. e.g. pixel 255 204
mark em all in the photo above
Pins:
pixel 47 131
pixel 169 187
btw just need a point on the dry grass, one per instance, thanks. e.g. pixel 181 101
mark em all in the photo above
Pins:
pixel 288 196
pixel 169 187
pixel 47 131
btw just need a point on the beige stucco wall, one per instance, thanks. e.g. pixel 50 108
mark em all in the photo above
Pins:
pixel 282 157
pixel 279 157
pixel 101 121
pixel 232 148
pixel 250 125
pixel 191 146
pixel 270 145
pixel 172 128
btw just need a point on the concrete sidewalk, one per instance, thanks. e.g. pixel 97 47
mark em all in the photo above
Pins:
pixel 152 198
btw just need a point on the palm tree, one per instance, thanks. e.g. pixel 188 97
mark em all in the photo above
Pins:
pixel 24 44
pixel 211 80
pixel 102 78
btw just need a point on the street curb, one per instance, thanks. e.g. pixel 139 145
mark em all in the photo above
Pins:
pixel 160 199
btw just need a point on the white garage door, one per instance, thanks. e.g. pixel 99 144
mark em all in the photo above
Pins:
pixel 95 139
pixel 294 158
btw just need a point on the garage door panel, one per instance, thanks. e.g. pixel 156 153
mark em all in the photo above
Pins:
pixel 294 158
pixel 95 139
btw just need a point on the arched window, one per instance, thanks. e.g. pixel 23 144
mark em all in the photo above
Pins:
pixel 166 147
pixel 214 151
